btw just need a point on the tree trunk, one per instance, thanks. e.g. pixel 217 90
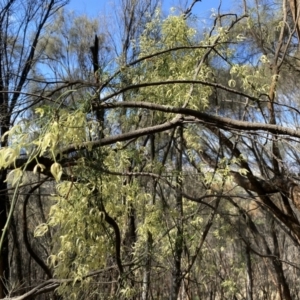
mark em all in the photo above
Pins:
pixel 283 287
pixel 178 247
pixel 249 287
pixel 147 268
pixel 4 256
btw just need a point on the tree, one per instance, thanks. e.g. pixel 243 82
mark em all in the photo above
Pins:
pixel 21 26
pixel 170 167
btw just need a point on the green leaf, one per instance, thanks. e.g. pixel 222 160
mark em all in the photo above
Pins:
pixel 41 230
pixel 41 166
pixel 14 176
pixel 56 171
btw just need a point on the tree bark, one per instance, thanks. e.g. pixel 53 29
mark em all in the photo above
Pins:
pixel 149 243
pixel 283 286
pixel 4 257
pixel 249 286
pixel 178 247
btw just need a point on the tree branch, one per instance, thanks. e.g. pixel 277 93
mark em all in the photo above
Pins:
pixel 221 122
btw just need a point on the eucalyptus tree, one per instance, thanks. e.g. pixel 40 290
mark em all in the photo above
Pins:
pixel 150 195
pixel 87 198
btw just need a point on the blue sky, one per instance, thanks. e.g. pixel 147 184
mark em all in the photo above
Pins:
pixel 99 7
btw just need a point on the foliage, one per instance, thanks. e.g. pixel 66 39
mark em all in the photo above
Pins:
pixel 155 188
